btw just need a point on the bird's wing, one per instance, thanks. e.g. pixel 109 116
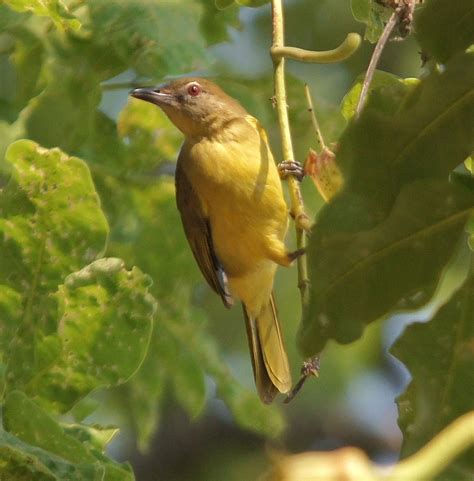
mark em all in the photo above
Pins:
pixel 198 232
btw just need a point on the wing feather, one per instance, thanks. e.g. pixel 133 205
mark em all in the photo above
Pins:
pixel 198 232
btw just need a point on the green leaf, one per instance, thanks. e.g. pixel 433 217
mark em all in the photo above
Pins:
pixel 24 462
pixel 186 372
pixel 54 9
pixel 173 271
pixel 470 231
pixel 469 163
pixel 50 225
pixel 20 67
pixel 51 222
pixel 105 321
pixel 244 404
pixel 440 358
pixel 143 34
pixel 142 395
pixel 386 93
pixel 444 27
pixel 373 15
pixel 93 436
pixel 361 10
pixel 68 96
pixel 381 245
pixel 246 407
pixel 26 421
pixel 217 18
pixel 17 465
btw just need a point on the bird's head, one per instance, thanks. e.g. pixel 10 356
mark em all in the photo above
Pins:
pixel 197 106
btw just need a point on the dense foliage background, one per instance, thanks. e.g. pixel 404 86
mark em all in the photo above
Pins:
pixel 104 318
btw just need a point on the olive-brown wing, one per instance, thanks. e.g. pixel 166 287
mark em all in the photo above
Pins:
pixel 198 232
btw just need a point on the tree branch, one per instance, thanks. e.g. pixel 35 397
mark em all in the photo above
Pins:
pixel 302 221
pixel 375 60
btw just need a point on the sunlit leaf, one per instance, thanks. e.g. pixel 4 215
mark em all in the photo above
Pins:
pixel 469 163
pixel 54 9
pixel 50 225
pixel 386 93
pixel 105 315
pixel 51 222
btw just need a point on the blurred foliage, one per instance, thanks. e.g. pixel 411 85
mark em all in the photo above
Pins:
pixel 64 333
pixel 445 28
pixel 388 235
pixel 373 14
pixel 73 320
pixel 53 9
pixel 440 357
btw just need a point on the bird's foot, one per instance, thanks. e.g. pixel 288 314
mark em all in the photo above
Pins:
pixel 309 368
pixel 295 254
pixel 290 168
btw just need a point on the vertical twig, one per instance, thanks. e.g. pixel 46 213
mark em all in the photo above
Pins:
pixel 302 222
pixel 375 60
pixel 314 120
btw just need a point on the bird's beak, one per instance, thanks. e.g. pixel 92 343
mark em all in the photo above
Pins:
pixel 155 96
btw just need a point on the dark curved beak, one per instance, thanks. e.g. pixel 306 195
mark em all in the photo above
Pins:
pixel 155 96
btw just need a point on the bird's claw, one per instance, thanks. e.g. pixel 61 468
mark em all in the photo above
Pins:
pixel 290 167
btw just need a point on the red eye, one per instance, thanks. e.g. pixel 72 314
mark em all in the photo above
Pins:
pixel 194 90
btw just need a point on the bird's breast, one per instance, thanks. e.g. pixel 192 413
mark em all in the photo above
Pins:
pixel 238 184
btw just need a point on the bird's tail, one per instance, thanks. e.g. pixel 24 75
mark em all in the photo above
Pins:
pixel 269 360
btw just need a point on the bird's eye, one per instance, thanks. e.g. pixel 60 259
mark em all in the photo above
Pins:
pixel 194 90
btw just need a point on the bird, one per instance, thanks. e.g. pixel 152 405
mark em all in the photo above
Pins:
pixel 234 214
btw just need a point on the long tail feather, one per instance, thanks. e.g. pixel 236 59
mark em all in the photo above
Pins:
pixel 269 360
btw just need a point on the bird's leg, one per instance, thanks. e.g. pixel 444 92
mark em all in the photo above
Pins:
pixel 290 167
pixel 309 368
pixel 278 253
pixel 295 254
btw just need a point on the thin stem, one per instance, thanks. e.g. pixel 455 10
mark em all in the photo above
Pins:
pixel 314 120
pixel 297 208
pixel 438 453
pixel 342 52
pixel 375 60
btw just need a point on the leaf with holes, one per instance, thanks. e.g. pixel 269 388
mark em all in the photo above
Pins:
pixel 51 224
pixel 105 319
